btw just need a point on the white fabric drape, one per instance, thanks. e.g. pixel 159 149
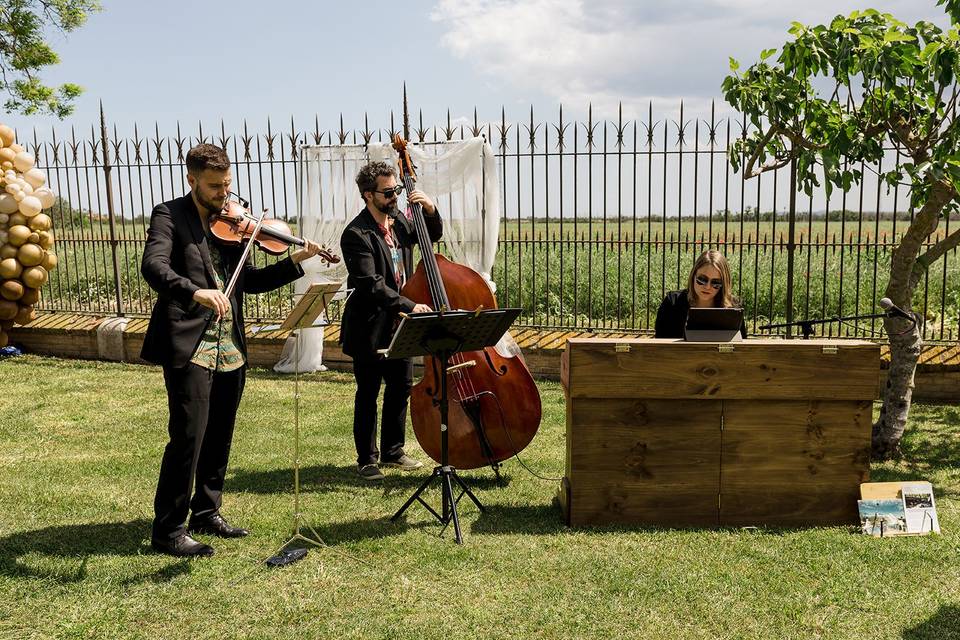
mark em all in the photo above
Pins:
pixel 327 199
pixel 460 177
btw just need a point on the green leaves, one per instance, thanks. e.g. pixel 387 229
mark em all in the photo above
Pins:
pixel 838 94
pixel 952 8
pixel 24 52
pixel 896 36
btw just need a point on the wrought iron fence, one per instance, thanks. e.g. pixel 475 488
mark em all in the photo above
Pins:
pixel 600 218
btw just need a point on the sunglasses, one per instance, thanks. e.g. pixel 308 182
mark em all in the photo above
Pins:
pixel 396 191
pixel 703 281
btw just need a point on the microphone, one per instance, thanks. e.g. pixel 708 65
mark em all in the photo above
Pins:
pixel 894 311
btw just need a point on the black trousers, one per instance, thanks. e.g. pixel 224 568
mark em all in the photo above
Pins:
pixel 203 410
pixel 397 377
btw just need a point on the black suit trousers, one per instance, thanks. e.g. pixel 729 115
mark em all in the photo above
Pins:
pixel 203 410
pixel 397 378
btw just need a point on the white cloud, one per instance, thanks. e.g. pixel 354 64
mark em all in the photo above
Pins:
pixel 606 52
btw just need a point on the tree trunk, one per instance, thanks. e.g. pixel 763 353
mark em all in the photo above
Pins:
pixel 905 349
pixel 905 344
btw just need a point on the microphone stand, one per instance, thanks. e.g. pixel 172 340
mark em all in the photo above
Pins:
pixel 806 326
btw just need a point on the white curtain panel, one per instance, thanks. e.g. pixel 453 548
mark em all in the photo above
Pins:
pixel 460 177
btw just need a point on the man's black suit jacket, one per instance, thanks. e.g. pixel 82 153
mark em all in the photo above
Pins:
pixel 176 262
pixel 373 306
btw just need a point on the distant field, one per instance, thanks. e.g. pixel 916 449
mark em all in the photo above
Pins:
pixel 602 273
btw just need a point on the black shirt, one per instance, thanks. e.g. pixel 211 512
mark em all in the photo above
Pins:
pixel 672 316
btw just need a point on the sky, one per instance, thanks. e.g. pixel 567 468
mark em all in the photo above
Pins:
pixel 160 63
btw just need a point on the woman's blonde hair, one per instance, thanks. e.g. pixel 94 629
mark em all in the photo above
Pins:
pixel 715 259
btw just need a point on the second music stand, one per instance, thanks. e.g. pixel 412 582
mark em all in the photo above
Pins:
pixel 304 315
pixel 441 335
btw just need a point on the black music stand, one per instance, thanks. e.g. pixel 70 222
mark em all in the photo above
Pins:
pixel 441 335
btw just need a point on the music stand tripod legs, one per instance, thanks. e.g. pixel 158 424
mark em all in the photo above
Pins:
pixel 443 472
pixel 312 302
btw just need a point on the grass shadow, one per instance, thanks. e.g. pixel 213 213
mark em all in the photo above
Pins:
pixel 326 478
pixel 943 625
pixel 81 542
pixel 361 529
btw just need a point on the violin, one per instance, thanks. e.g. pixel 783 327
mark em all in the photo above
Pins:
pixel 234 225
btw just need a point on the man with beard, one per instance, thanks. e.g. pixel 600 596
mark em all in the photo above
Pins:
pixel 377 248
pixel 196 333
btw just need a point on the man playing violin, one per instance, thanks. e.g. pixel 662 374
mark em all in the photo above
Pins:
pixel 377 249
pixel 196 334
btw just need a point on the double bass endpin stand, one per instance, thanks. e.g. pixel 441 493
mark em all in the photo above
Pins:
pixel 442 335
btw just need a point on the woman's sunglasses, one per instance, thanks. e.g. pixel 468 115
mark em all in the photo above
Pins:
pixel 703 281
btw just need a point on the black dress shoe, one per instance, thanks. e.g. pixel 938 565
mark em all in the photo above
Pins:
pixel 215 525
pixel 183 546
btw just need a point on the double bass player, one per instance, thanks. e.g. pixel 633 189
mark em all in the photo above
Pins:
pixel 377 248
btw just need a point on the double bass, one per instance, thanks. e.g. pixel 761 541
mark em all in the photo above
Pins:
pixel 494 405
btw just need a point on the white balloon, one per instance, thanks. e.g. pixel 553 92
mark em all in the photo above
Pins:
pixel 35 177
pixel 47 198
pixel 26 187
pixel 19 196
pixel 30 206
pixel 23 161
pixel 12 188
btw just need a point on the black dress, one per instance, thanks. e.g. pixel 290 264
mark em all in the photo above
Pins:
pixel 672 316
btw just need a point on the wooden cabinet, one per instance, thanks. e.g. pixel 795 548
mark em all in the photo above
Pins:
pixel 760 432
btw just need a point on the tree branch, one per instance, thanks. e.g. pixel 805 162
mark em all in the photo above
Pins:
pixel 771 166
pixel 761 145
pixel 931 255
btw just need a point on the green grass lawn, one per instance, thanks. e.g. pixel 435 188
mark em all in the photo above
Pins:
pixel 80 445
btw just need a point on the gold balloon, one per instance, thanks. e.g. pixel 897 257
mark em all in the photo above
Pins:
pixel 8 309
pixel 49 261
pixel 17 218
pixel 40 222
pixel 30 296
pixel 47 197
pixel 16 147
pixel 34 277
pixel 8 251
pixel 45 239
pixel 8 204
pixel 7 135
pixel 25 315
pixel 10 268
pixel 23 161
pixel 30 205
pixel 35 178
pixel 6 325
pixel 19 234
pixel 11 289
pixel 7 155
pixel 30 255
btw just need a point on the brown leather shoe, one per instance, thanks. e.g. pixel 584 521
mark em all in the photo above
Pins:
pixel 183 546
pixel 215 525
